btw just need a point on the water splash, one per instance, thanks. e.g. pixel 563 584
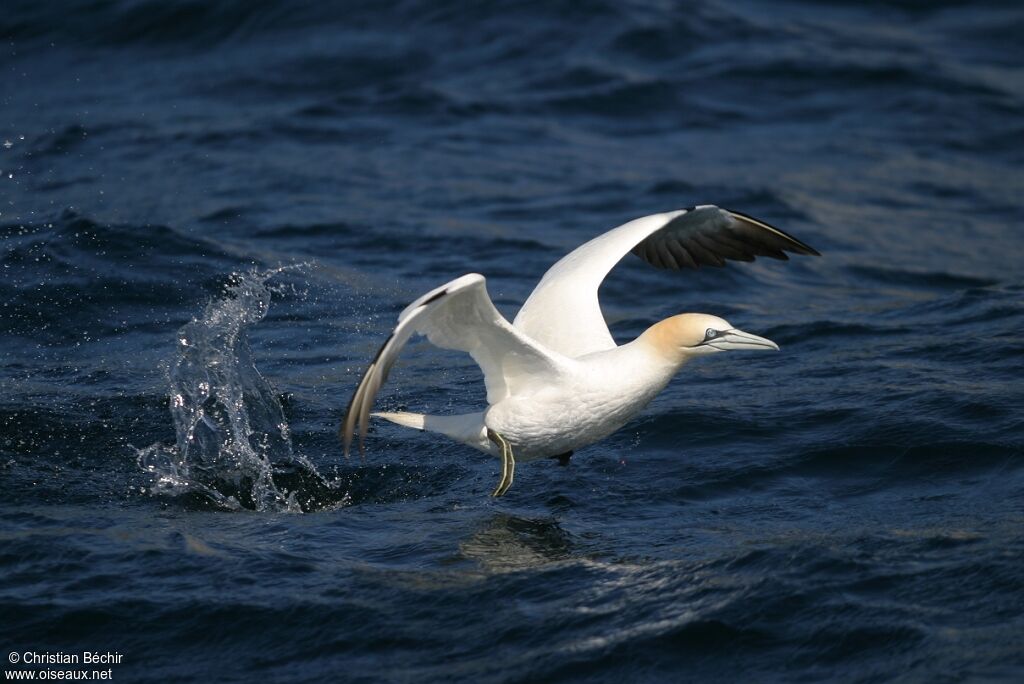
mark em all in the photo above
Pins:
pixel 231 433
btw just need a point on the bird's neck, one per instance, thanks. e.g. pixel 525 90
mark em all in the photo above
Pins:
pixel 661 341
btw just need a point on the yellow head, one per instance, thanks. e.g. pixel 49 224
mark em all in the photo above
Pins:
pixel 687 335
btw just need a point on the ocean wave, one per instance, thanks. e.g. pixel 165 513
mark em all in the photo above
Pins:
pixel 74 275
pixel 904 276
pixel 193 22
pixel 845 509
pixel 132 22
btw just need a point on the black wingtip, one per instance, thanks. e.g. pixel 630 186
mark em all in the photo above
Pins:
pixel 434 297
pixel 798 246
pixel 346 439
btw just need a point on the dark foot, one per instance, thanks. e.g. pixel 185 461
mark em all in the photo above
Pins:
pixel 563 459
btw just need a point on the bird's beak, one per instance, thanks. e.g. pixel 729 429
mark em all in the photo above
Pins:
pixel 737 339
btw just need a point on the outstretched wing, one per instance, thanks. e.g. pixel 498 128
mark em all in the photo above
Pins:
pixel 563 312
pixel 461 316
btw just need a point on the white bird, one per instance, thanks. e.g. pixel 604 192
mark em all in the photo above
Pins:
pixel 556 381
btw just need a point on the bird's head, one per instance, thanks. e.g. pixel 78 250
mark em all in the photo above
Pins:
pixel 688 335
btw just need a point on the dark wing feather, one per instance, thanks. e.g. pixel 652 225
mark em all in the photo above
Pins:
pixel 682 255
pixel 709 236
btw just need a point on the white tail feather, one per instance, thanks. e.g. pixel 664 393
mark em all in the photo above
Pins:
pixel 467 428
pixel 412 420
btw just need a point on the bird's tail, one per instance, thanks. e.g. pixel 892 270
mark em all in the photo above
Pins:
pixel 467 428
pixel 411 420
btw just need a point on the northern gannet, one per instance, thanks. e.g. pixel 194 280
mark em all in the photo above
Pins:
pixel 556 381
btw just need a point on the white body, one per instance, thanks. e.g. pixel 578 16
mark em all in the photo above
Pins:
pixel 599 393
pixel 591 398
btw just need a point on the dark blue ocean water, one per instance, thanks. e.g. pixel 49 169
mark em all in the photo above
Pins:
pixel 224 206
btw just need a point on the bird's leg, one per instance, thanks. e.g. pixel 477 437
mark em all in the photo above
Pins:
pixel 508 462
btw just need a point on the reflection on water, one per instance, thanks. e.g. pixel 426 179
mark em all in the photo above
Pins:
pixel 506 543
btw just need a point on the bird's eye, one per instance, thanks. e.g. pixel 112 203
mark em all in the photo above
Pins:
pixel 710 333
